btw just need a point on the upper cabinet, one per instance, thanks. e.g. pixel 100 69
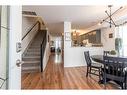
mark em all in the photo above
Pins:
pixel 90 39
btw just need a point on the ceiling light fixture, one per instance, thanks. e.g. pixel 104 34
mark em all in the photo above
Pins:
pixel 99 23
pixel 110 14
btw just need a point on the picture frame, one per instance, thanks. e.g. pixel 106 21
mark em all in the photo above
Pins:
pixel 111 35
pixel 67 36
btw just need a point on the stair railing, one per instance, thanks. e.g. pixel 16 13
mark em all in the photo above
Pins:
pixel 43 43
pixel 39 26
pixel 42 49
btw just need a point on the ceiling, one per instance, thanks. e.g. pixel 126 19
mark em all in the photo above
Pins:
pixel 81 17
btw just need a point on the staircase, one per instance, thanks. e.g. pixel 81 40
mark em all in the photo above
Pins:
pixel 31 57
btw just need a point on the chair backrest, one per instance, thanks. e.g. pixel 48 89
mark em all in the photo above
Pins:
pixel 87 58
pixel 105 53
pixel 114 68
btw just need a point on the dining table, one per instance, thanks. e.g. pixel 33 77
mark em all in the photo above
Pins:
pixel 99 59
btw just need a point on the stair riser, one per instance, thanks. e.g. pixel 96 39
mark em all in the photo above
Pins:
pixel 36 44
pixel 30 65
pixel 30 71
pixel 31 59
pixel 29 68
pixel 33 50
pixel 30 54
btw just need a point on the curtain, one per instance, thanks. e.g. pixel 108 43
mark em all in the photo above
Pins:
pixel 121 34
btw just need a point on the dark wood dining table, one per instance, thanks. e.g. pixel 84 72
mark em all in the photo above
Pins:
pixel 99 58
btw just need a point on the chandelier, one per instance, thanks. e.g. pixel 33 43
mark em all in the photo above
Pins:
pixel 110 14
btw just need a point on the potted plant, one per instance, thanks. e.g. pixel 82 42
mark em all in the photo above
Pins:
pixel 112 52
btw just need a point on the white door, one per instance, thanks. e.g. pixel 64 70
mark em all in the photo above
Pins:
pixel 15 25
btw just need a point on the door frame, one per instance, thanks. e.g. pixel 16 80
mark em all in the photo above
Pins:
pixel 15 34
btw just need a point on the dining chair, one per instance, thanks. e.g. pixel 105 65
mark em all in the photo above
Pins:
pixel 106 53
pixel 92 67
pixel 114 70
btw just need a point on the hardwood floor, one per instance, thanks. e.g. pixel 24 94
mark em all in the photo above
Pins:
pixel 56 76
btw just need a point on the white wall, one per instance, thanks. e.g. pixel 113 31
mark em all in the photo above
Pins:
pixel 46 54
pixel 108 43
pixel 74 56
pixel 27 23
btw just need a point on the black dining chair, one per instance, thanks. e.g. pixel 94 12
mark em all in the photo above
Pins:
pixel 114 70
pixel 92 67
pixel 105 53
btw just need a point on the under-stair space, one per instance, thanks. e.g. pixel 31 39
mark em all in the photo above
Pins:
pixel 32 56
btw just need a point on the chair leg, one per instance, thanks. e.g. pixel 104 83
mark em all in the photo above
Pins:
pixel 125 82
pixel 99 74
pixel 90 71
pixel 125 85
pixel 105 84
pixel 104 79
pixel 87 72
pixel 122 85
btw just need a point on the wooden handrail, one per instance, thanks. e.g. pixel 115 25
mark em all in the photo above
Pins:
pixel 31 29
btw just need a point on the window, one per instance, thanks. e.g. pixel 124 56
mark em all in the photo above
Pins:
pixel 121 32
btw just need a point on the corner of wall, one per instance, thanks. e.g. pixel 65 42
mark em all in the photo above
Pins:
pixel 46 54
